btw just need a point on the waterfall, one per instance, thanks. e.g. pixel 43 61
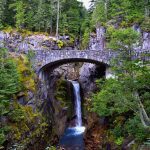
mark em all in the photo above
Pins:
pixel 72 138
pixel 77 98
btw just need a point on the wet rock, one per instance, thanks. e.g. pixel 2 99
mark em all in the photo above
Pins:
pixel 51 106
pixel 22 100
pixel 55 47
pixel 146 41
pixel 64 37
pixel 127 144
pixel 68 71
pixel 69 48
pixel 95 135
pixel 47 43
pixel 30 95
pixel 87 76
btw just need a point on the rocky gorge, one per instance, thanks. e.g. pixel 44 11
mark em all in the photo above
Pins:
pixel 53 91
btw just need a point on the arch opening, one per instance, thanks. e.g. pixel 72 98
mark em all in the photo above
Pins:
pixel 55 64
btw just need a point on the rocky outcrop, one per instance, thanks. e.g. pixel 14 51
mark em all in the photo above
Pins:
pixel 55 96
pixel 89 73
pixel 51 108
pixel 95 134
pixel 146 41
pixel 19 42
pixel 68 71
pixel 98 40
pixel 87 77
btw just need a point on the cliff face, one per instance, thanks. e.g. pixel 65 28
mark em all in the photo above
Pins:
pixel 98 39
pixel 53 92
pixel 15 41
pixel 18 42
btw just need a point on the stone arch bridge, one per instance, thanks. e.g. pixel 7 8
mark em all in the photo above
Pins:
pixel 45 59
pixel 54 58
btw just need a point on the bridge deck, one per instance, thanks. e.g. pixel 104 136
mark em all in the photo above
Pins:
pixel 44 57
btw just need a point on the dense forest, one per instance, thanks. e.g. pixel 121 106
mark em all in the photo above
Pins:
pixel 41 15
pixel 122 101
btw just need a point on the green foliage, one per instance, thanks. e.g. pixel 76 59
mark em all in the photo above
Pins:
pixel 9 85
pixel 51 148
pixel 122 39
pixel 146 24
pixel 99 13
pixel 117 96
pixel 26 75
pixel 121 12
pixel 86 38
pixel 41 15
pixel 24 120
pixel 2 6
pixel 60 44
pixel 72 17
pixel 133 126
pixel 119 141
pixel 2 138
pixel 19 7
pixel 61 92
pixel 19 124
pixel 16 115
pixel 111 99
pixel 30 55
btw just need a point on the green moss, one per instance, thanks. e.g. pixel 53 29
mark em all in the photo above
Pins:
pixel 86 39
pixel 61 92
pixel 9 29
pixel 146 25
pixel 70 42
pixel 26 73
pixel 51 148
pixel 60 43
pixel 2 139
pixel 23 32
pixel 26 125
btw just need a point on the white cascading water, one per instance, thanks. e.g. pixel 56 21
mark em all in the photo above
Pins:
pixel 73 136
pixel 78 129
pixel 76 88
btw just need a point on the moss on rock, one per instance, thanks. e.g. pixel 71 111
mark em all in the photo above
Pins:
pixel 61 93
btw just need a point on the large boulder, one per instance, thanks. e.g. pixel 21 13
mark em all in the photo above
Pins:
pixel 87 77
pixel 88 74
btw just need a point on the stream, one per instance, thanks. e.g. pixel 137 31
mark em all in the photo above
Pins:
pixel 73 136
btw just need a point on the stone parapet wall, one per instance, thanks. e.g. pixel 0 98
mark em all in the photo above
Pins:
pixel 59 57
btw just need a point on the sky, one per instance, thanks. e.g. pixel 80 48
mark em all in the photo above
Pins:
pixel 86 3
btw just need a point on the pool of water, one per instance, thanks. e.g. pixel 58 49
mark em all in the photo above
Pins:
pixel 73 139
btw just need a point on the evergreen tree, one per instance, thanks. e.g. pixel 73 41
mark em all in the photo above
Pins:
pixel 19 7
pixel 127 93
pixel 2 8
pixel 123 12
pixel 9 85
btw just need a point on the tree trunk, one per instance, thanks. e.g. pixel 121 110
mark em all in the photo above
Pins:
pixel 57 24
pixel 147 9
pixel 143 114
pixel 106 6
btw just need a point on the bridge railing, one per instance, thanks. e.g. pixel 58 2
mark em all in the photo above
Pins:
pixel 137 54
pixel 47 56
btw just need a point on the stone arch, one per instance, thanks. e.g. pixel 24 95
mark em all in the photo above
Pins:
pixel 52 65
pixel 52 59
